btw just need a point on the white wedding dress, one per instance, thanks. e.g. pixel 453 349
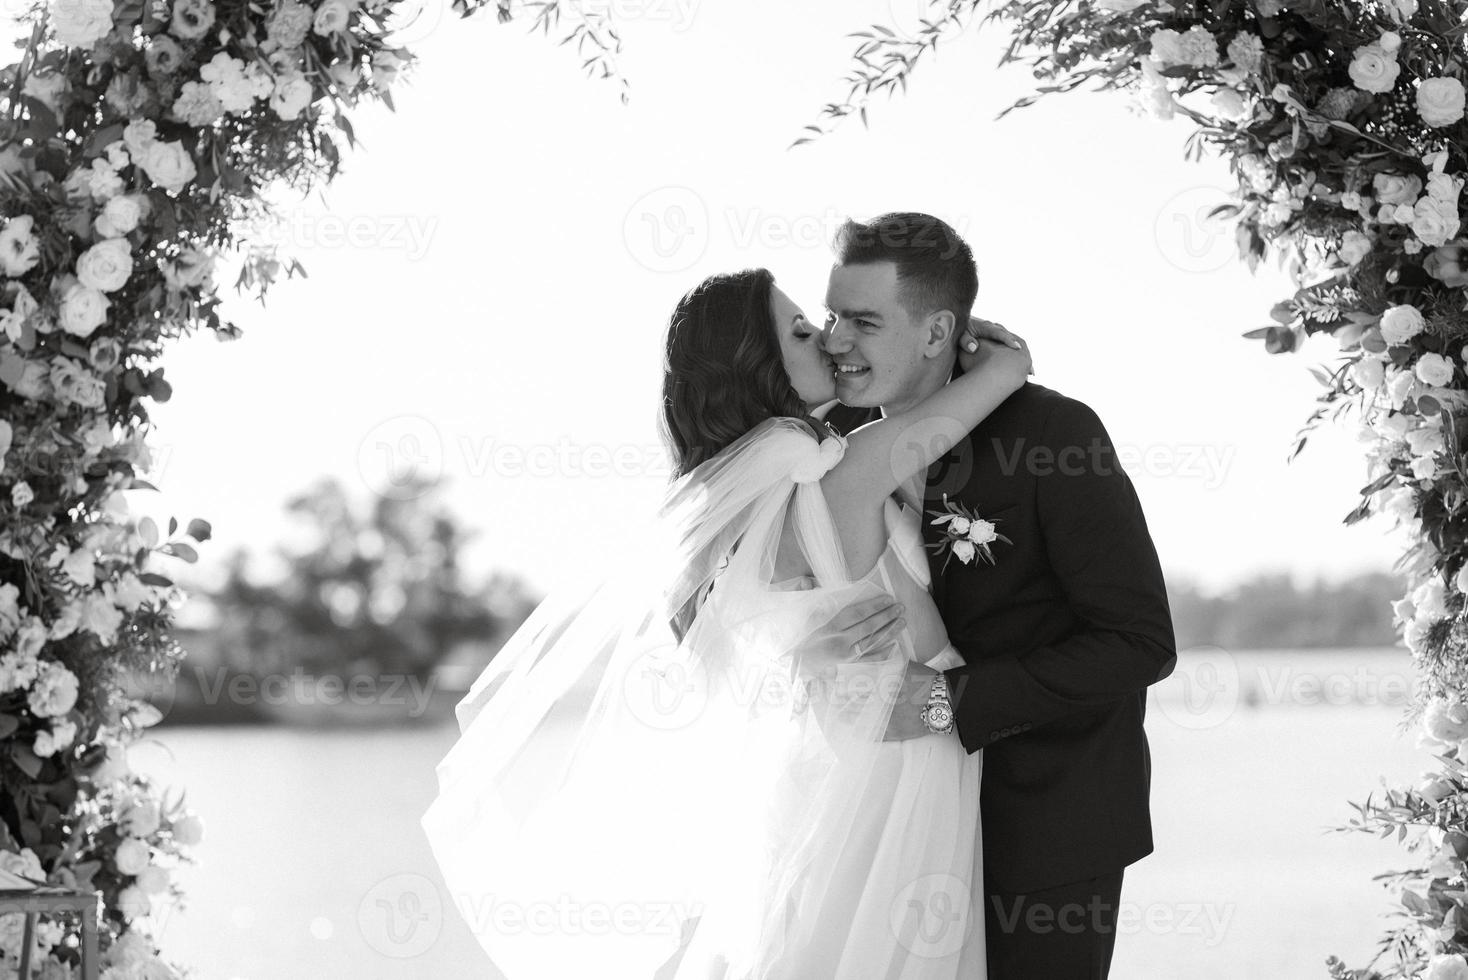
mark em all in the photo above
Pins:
pixel 744 820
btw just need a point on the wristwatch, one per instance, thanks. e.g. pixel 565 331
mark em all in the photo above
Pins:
pixel 938 715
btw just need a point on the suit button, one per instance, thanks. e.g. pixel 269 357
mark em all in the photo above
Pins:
pixel 994 734
pixel 1026 727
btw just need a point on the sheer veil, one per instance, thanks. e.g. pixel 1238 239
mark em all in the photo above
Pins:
pixel 672 758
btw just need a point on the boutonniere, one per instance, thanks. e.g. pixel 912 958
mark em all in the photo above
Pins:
pixel 965 534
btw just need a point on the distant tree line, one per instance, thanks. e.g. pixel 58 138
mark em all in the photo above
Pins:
pixel 1270 611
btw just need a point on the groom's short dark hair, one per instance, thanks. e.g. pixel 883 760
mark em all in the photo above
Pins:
pixel 935 267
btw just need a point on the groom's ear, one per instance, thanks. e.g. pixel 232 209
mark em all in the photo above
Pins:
pixel 940 326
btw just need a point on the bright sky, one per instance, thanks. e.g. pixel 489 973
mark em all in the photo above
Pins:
pixel 491 277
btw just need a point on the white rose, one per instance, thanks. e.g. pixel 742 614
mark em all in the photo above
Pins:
pixel 54 692
pixel 58 738
pixel 83 309
pixel 123 213
pixel 1434 790
pixel 106 266
pixel 1401 10
pixel 188 830
pixel 1444 187
pixel 964 551
pixel 292 94
pixel 19 249
pixel 982 532
pixel 1355 246
pixel 103 181
pixel 1426 440
pixel 1446 967
pixel 153 879
pixel 74 384
pixel 168 164
pixel 1229 103
pixel 1424 468
pixel 331 18
pixel 1390 42
pixel 1401 323
pixel 1431 600
pixel 1373 69
pixel 131 856
pixel 141 818
pixel 1435 221
pixel 1434 370
pixel 101 617
pixel 25 863
pixel 80 23
pixel 1396 188
pixel 138 135
pixel 1368 372
pixel 131 593
pixel 1440 101
pixel 959 526
pixel 133 903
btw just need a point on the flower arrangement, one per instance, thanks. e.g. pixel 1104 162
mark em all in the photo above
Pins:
pixel 1343 122
pixel 137 138
pixel 966 535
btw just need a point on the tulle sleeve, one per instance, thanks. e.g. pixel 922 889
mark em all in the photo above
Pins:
pixel 627 783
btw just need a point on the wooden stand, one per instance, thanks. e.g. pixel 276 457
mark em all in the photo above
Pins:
pixel 31 903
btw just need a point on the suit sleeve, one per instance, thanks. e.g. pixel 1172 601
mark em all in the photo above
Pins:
pixel 1096 542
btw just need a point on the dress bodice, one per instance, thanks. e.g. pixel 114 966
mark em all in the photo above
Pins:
pixel 902 570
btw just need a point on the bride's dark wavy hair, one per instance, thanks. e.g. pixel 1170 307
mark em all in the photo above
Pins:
pixel 722 369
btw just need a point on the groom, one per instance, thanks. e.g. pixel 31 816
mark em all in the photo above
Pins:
pixel 1061 635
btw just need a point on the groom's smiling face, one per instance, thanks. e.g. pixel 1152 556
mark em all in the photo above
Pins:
pixel 883 352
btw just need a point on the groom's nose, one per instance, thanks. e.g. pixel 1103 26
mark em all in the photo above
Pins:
pixel 833 339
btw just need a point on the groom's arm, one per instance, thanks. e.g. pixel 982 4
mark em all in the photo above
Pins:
pixel 1096 540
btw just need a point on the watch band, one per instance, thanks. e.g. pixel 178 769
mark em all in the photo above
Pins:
pixel 938 715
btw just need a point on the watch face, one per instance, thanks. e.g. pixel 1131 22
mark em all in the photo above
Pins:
pixel 939 716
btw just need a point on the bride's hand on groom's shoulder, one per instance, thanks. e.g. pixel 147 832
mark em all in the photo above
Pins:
pixel 985 341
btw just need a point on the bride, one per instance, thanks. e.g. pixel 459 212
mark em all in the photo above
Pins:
pixel 683 774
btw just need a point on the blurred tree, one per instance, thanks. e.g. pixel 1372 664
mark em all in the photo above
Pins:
pixel 374 594
pixel 1270 611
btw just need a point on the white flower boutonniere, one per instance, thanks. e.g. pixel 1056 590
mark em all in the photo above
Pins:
pixel 966 534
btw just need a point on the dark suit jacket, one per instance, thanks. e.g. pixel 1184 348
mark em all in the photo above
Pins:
pixel 1060 638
